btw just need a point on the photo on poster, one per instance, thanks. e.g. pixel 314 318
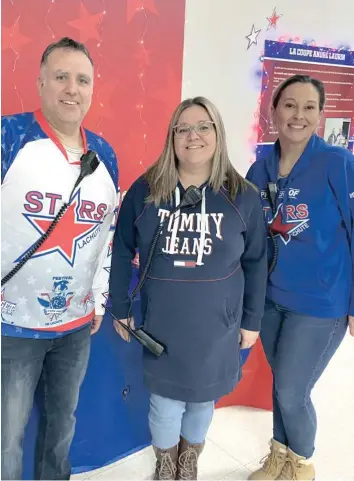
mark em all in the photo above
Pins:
pixel 337 131
pixel 335 68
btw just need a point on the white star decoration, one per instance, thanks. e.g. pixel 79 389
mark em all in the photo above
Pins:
pixel 79 290
pixel 26 318
pixel 31 280
pixel 5 246
pixel 252 37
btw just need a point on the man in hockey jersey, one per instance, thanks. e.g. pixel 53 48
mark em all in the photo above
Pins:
pixel 52 304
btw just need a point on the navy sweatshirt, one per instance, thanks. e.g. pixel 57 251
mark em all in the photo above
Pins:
pixel 207 279
pixel 314 227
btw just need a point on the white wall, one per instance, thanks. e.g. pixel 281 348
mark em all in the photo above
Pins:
pixel 218 65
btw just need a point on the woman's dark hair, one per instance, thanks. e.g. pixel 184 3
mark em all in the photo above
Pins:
pixel 303 79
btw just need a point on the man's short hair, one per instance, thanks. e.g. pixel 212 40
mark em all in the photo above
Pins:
pixel 67 43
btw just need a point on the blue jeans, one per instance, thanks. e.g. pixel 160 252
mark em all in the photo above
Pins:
pixel 61 365
pixel 298 349
pixel 169 419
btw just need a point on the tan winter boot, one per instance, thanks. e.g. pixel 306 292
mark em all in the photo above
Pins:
pixel 273 463
pixel 166 463
pixel 297 468
pixel 188 454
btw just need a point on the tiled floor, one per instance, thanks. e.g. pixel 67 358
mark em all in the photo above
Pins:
pixel 238 436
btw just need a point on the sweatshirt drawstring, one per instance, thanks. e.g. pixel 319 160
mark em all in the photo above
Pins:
pixel 174 221
pixel 203 222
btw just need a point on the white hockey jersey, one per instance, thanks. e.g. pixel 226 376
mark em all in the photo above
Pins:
pixel 66 281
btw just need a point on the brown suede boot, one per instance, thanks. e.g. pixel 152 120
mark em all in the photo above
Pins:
pixel 297 468
pixel 166 463
pixel 273 463
pixel 188 454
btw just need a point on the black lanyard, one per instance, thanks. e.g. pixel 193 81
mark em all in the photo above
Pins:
pixel 272 190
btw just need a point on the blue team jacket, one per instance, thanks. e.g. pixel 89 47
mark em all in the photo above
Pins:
pixel 314 227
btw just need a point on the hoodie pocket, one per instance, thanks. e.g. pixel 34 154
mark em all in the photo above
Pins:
pixel 231 315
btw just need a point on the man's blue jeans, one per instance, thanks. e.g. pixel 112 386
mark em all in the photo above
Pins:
pixel 298 349
pixel 61 365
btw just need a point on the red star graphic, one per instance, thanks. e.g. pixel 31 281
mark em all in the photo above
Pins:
pixel 135 6
pixel 284 230
pixel 12 37
pixel 273 19
pixel 144 57
pixel 87 24
pixel 170 87
pixel 106 93
pixel 65 235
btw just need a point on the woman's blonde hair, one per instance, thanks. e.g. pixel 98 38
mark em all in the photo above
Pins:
pixel 162 176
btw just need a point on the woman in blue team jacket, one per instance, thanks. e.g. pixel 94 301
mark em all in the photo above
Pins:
pixel 206 286
pixel 310 295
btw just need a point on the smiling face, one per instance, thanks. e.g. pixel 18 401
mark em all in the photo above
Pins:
pixel 297 114
pixel 195 149
pixel 65 86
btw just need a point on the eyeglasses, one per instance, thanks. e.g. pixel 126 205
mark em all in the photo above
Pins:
pixel 201 128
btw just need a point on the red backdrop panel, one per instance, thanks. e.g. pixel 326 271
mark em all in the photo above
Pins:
pixel 137 47
pixel 255 387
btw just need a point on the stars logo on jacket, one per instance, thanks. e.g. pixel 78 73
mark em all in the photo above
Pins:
pixel 296 221
pixel 66 234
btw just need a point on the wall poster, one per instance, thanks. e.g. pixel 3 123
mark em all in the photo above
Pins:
pixel 334 67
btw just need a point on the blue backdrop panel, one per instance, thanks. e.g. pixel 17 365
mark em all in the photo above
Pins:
pixel 113 405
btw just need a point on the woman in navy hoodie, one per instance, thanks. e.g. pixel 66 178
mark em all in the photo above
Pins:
pixel 204 295
pixel 308 200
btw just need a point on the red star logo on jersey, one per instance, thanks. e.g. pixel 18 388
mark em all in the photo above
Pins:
pixel 65 236
pixel 284 230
